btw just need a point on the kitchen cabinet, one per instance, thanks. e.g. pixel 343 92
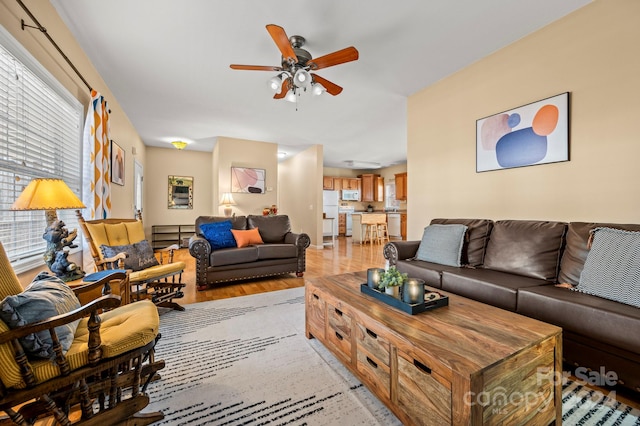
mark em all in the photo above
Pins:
pixel 342 224
pixel 401 186
pixel 337 184
pixel 350 183
pixel 403 226
pixel 327 183
pixel 372 187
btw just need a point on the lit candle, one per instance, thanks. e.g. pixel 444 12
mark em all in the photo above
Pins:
pixel 373 277
pixel 413 291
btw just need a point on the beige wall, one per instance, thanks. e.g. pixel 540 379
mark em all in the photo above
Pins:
pixel 300 192
pixel 592 54
pixel 230 152
pixel 165 162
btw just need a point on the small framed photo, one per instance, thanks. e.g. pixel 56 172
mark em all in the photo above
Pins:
pixel 117 164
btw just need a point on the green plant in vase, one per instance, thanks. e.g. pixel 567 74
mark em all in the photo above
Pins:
pixel 391 280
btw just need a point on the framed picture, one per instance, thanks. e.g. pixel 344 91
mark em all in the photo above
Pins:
pixel 536 133
pixel 180 192
pixel 117 164
pixel 244 179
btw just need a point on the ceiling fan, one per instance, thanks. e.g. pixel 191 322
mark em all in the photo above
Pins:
pixel 294 73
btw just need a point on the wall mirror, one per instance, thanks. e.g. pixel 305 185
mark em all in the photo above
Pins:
pixel 180 192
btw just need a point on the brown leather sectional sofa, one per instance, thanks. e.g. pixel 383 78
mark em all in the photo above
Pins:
pixel 283 251
pixel 515 264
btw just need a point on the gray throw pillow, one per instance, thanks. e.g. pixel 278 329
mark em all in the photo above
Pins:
pixel 612 268
pixel 442 244
pixel 46 297
pixel 139 255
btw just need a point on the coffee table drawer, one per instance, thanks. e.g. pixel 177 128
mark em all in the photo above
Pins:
pixel 373 343
pixel 422 393
pixel 315 315
pixel 375 374
pixel 339 331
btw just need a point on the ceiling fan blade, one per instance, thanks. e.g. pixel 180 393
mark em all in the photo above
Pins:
pixel 332 88
pixel 255 67
pixel 347 54
pixel 286 85
pixel 282 41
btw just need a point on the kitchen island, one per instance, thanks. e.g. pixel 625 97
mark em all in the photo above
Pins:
pixel 393 223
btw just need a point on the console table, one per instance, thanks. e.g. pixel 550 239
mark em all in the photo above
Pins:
pixel 466 363
pixel 165 235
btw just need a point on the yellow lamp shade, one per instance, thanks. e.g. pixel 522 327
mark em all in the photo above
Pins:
pixel 47 194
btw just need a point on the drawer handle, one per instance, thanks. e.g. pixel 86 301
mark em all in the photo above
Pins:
pixel 421 366
pixel 371 333
pixel 315 296
pixel 372 362
pixel 339 336
pixel 338 312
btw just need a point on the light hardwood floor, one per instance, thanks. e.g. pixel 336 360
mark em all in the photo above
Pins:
pixel 341 258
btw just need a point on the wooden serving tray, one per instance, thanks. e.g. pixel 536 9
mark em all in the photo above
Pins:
pixel 405 307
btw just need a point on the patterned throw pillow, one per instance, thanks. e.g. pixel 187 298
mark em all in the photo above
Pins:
pixel 218 234
pixel 442 244
pixel 612 268
pixel 139 255
pixel 46 297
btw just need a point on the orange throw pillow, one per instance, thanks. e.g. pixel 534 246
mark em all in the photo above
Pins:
pixel 246 238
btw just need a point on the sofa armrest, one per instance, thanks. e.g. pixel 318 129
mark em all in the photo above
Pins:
pixel 200 248
pixel 400 250
pixel 302 240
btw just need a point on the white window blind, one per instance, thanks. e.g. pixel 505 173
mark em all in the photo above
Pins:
pixel 40 136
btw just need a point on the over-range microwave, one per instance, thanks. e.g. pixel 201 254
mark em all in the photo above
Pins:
pixel 350 195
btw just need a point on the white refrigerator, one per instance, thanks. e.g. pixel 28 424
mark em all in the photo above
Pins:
pixel 330 200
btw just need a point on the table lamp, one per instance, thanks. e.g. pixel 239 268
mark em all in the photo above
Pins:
pixel 227 202
pixel 49 195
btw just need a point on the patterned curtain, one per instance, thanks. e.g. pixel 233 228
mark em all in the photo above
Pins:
pixel 97 149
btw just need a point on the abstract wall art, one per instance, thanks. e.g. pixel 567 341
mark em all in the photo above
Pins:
pixel 244 179
pixel 537 133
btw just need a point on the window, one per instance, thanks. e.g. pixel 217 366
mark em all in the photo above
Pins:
pixel 390 201
pixel 40 136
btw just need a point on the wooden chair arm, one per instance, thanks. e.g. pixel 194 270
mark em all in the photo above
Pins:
pixel 169 250
pixel 109 301
pixel 104 282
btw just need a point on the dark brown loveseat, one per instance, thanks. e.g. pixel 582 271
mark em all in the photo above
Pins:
pixel 282 251
pixel 515 264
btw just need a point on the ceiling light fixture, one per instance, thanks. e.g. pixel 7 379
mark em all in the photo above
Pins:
pixel 180 145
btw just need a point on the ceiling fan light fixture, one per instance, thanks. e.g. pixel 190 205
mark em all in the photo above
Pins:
pixel 291 96
pixel 302 78
pixel 317 89
pixel 275 84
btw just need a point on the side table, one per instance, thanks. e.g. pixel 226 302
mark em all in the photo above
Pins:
pixel 116 288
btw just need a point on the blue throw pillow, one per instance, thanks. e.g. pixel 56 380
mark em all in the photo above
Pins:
pixel 442 244
pixel 218 234
pixel 139 255
pixel 46 297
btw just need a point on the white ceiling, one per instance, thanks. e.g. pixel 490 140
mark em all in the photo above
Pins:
pixel 167 63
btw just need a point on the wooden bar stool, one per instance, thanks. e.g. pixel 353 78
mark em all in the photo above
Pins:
pixel 370 223
pixel 383 232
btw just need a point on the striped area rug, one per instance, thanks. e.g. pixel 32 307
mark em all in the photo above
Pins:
pixel 246 360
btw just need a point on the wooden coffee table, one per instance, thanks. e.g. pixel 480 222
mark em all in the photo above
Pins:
pixel 466 363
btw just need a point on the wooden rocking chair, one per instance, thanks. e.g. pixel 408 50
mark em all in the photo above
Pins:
pixel 102 377
pixel 161 283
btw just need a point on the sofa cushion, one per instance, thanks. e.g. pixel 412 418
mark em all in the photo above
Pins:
pixel 46 297
pixel 576 251
pixel 247 237
pixel 494 288
pixel 596 318
pixel 527 248
pixel 237 222
pixel 612 268
pixel 442 244
pixel 478 231
pixel 139 255
pixel 272 228
pixel 218 234
pixel 233 256
pixel 276 251
pixel 427 271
